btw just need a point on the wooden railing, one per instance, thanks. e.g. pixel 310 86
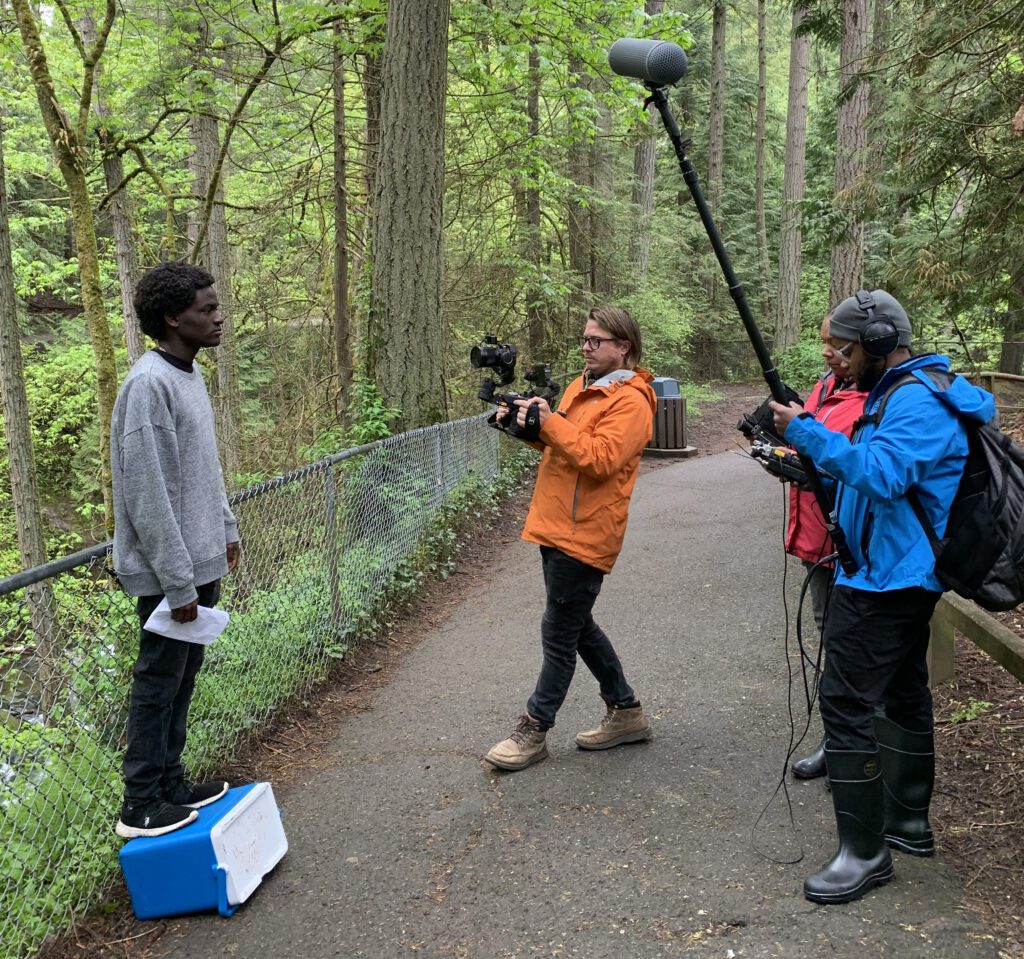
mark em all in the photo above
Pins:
pixel 957 614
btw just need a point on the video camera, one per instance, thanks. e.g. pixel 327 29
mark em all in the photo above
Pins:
pixel 501 357
pixel 767 447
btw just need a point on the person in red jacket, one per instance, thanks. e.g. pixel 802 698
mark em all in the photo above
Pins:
pixel 837 403
pixel 592 447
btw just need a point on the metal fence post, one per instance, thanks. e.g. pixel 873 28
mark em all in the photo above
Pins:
pixel 333 555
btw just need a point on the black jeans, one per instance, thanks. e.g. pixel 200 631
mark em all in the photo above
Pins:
pixel 568 629
pixel 876 646
pixel 162 684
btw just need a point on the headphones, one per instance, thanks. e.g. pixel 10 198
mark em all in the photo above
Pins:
pixel 879 337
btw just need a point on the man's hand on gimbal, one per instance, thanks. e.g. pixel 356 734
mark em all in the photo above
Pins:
pixel 784 415
pixel 543 410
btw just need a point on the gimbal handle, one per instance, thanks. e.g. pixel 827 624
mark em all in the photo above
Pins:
pixel 659 97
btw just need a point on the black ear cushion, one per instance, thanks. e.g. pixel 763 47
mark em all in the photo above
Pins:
pixel 879 338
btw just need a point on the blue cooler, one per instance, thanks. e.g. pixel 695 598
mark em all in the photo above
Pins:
pixel 215 862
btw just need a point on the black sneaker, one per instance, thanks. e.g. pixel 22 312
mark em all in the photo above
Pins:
pixel 152 817
pixel 193 795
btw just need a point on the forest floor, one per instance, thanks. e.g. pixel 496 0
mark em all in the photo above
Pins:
pixel 978 810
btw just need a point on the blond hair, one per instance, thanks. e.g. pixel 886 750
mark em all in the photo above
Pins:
pixel 618 322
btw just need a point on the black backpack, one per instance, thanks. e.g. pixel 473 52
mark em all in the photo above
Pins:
pixel 981 557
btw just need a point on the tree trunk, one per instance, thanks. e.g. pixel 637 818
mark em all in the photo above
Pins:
pixel 122 217
pixel 602 227
pixel 580 172
pixel 1011 354
pixel 18 436
pixel 71 152
pixel 342 320
pixel 762 88
pixel 787 321
pixel 372 94
pixel 716 131
pixel 531 212
pixel 214 253
pixel 643 183
pixel 851 152
pixel 407 333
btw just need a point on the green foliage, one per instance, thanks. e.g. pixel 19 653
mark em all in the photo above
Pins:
pixel 801 365
pixel 972 709
pixel 369 418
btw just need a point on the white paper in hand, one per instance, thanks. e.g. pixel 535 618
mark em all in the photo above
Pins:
pixel 204 629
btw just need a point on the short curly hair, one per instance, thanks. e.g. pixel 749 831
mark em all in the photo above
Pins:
pixel 167 290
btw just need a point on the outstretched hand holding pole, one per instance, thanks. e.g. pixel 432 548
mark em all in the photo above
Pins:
pixel 659 64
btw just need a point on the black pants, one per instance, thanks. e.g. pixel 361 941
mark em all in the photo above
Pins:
pixel 567 630
pixel 162 684
pixel 876 646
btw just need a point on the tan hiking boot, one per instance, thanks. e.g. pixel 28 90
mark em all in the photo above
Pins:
pixel 618 726
pixel 523 748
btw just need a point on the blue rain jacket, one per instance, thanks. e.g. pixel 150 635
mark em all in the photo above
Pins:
pixel 921 442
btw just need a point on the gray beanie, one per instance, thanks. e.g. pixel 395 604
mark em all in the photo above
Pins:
pixel 849 318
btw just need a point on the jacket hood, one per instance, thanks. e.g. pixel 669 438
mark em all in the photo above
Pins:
pixel 962 397
pixel 638 379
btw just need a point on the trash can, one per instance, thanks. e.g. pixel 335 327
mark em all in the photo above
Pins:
pixel 669 436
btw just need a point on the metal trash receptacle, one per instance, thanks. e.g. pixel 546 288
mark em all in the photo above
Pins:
pixel 669 436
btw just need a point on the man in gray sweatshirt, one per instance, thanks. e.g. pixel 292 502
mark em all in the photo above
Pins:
pixel 174 536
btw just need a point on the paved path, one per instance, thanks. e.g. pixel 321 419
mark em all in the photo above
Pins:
pixel 405 845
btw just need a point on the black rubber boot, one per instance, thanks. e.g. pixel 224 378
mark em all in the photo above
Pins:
pixel 812 766
pixel 908 771
pixel 863 860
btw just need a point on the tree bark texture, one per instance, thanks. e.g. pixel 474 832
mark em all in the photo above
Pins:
pixel 406 322
pixel 70 151
pixel 371 95
pixel 122 216
pixel 847 272
pixel 581 173
pixel 18 436
pixel 602 226
pixel 716 128
pixel 643 183
pixel 342 319
pixel 787 320
pixel 531 214
pixel 214 253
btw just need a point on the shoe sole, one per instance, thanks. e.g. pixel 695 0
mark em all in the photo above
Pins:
pixel 137 832
pixel 626 738
pixel 206 802
pixel 835 898
pixel 908 846
pixel 515 767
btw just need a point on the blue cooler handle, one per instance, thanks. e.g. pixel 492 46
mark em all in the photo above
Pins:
pixel 223 906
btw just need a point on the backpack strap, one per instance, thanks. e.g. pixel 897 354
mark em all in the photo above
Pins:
pixel 926 524
pixel 942 379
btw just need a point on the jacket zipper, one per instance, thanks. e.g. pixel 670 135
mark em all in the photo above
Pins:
pixel 575 501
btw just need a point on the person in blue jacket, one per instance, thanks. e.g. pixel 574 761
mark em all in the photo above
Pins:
pixel 881 766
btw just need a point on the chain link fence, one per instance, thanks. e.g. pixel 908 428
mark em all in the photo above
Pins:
pixel 321 548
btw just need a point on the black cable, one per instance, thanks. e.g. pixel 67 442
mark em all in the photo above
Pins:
pixel 810 688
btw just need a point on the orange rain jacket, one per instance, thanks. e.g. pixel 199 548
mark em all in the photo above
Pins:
pixel 592 449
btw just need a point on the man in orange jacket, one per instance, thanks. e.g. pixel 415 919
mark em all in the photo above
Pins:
pixel 592 447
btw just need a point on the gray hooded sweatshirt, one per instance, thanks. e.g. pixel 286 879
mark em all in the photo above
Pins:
pixel 172 522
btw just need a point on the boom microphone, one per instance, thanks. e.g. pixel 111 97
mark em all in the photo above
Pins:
pixel 653 61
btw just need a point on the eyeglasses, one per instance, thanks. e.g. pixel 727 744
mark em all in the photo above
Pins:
pixel 843 351
pixel 594 342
